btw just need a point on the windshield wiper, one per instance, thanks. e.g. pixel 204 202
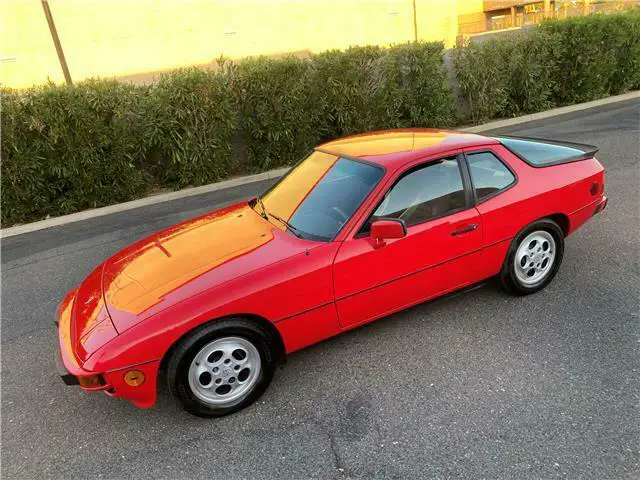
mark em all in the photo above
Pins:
pixel 263 214
pixel 293 229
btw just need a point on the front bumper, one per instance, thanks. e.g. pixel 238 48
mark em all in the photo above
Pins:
pixel 65 375
pixel 112 382
pixel 67 365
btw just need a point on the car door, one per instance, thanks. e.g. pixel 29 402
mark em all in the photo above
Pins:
pixel 440 252
pixel 501 208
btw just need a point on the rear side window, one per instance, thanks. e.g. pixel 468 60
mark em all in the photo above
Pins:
pixel 488 174
pixel 542 153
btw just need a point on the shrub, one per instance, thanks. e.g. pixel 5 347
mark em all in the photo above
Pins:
pixel 627 52
pixel 188 119
pixel 596 55
pixel 507 76
pixel 348 86
pixel 66 149
pixel 560 62
pixel 370 88
pixel 417 93
pixel 530 74
pixel 482 77
pixel 289 105
pixel 277 118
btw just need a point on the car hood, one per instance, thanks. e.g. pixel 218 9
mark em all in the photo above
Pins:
pixel 191 257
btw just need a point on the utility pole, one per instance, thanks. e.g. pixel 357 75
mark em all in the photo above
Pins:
pixel 56 41
pixel 415 23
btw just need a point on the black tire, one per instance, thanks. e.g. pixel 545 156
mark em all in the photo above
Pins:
pixel 188 348
pixel 508 275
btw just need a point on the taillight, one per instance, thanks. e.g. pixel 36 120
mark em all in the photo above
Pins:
pixel 595 188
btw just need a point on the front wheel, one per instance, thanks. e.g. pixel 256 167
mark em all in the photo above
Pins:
pixel 221 367
pixel 534 258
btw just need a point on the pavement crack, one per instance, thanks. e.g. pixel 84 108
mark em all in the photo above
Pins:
pixel 338 463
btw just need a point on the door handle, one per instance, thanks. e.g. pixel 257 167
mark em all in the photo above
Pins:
pixel 468 229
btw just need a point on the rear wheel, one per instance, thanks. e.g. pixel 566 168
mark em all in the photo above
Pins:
pixel 534 258
pixel 221 367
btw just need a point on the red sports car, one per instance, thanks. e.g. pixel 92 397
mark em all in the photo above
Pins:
pixel 362 227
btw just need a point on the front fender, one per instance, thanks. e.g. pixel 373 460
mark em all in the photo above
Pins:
pixel 143 396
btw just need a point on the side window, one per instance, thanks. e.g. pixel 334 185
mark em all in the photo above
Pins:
pixel 431 191
pixel 488 174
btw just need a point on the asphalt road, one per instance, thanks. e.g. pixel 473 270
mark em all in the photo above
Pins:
pixel 481 384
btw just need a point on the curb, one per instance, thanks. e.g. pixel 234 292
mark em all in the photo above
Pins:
pixel 271 174
pixel 551 113
pixel 142 202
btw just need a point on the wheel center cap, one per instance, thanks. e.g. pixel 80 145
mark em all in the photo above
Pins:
pixel 226 372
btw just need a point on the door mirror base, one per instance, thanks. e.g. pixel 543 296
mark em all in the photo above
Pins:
pixel 385 229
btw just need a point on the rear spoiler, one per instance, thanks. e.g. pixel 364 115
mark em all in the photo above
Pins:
pixel 567 153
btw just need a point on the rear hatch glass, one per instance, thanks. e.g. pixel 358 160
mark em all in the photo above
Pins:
pixel 543 153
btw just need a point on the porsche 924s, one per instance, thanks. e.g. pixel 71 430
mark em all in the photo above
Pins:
pixel 362 227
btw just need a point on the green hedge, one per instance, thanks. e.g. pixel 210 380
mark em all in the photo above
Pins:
pixel 596 55
pixel 277 116
pixel 68 148
pixel 560 62
pixel 369 88
pixel 288 106
pixel 187 123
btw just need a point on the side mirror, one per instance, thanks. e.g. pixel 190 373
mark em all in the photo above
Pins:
pixel 382 230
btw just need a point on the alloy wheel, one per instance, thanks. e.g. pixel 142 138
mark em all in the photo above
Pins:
pixel 535 257
pixel 224 371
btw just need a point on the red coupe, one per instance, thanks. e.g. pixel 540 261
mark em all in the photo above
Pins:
pixel 362 227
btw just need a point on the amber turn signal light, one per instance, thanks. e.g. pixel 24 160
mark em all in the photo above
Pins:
pixel 91 381
pixel 134 378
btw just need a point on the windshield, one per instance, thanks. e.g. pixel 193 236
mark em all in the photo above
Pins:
pixel 317 197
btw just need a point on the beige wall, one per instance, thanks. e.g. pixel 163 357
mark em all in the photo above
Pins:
pixel 109 38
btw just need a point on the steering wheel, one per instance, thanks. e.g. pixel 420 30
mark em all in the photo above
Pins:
pixel 407 212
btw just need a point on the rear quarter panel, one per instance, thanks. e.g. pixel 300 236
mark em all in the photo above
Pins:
pixel 563 189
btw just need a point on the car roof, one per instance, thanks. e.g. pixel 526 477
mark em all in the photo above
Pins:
pixel 392 148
